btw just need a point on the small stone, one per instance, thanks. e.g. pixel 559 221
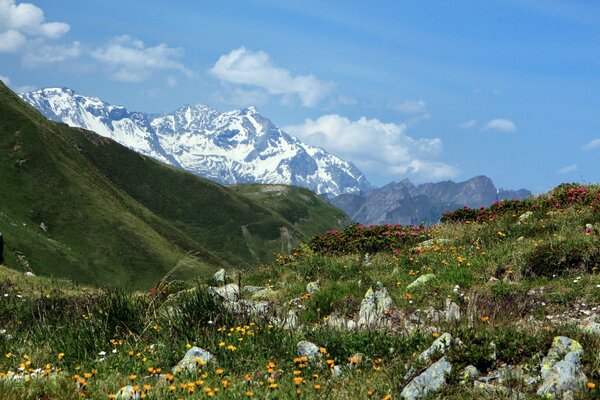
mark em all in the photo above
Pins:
pixel 433 379
pixel 228 292
pixel 29 273
pixel 193 358
pixel 128 393
pixel 221 276
pixel 313 287
pixel 421 280
pixel 452 313
pixel 439 346
pixel 308 349
pixel 43 227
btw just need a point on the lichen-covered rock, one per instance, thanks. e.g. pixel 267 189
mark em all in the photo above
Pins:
pixel 565 376
pixel 340 323
pixel 288 321
pixel 421 280
pixel 128 393
pixel 308 349
pixel 439 346
pixel 470 372
pixel 561 369
pixel 452 312
pixel 433 379
pixel 194 357
pixel 221 276
pixel 375 308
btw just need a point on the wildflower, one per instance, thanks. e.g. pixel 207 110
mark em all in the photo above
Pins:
pixel 219 371
pixel 132 377
pixel 61 356
pixel 485 318
pixel 249 393
pixel 298 380
pixel 591 385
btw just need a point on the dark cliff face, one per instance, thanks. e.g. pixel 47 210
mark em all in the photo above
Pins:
pixel 404 203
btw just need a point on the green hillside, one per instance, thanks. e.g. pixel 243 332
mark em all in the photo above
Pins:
pixel 77 205
pixel 497 303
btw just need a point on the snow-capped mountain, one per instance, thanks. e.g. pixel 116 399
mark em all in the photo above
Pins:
pixel 239 146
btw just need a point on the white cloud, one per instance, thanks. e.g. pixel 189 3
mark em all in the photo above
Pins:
pixel 567 169
pixel 131 61
pixel 25 89
pixel 501 124
pixel 468 124
pixel 410 106
pixel 5 80
pixel 250 68
pixel 376 147
pixel 46 54
pixel 594 144
pixel 20 22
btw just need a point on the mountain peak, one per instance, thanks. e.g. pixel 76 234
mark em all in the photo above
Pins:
pixel 239 146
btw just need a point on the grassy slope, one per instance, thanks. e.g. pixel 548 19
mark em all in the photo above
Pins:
pixel 510 312
pixel 114 217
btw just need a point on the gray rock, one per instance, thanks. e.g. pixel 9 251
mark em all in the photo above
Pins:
pixel 561 346
pixel 439 346
pixel 339 323
pixel 421 280
pixel 128 393
pixel 313 287
pixel 470 372
pixel 590 327
pixel 308 349
pixel 252 289
pixel 561 369
pixel 221 276
pixel 194 357
pixel 433 379
pixel 452 312
pixel 289 321
pixel 228 292
pixel 375 308
pixel 250 307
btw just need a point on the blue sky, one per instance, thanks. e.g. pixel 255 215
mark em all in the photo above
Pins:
pixel 428 90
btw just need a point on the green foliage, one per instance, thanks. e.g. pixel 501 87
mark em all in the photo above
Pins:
pixel 370 239
pixel 577 254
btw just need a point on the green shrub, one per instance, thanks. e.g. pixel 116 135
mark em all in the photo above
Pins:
pixel 559 258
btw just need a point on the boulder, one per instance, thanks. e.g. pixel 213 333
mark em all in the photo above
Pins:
pixel 433 379
pixel 193 358
pixel 561 369
pixel 375 307
pixel 228 292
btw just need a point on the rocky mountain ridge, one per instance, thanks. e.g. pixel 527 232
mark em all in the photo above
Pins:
pixel 239 146
pixel 405 203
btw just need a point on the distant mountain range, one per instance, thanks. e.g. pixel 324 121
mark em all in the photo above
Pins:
pixel 233 147
pixel 242 146
pixel 404 203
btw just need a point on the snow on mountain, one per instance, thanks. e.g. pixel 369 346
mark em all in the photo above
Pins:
pixel 239 146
